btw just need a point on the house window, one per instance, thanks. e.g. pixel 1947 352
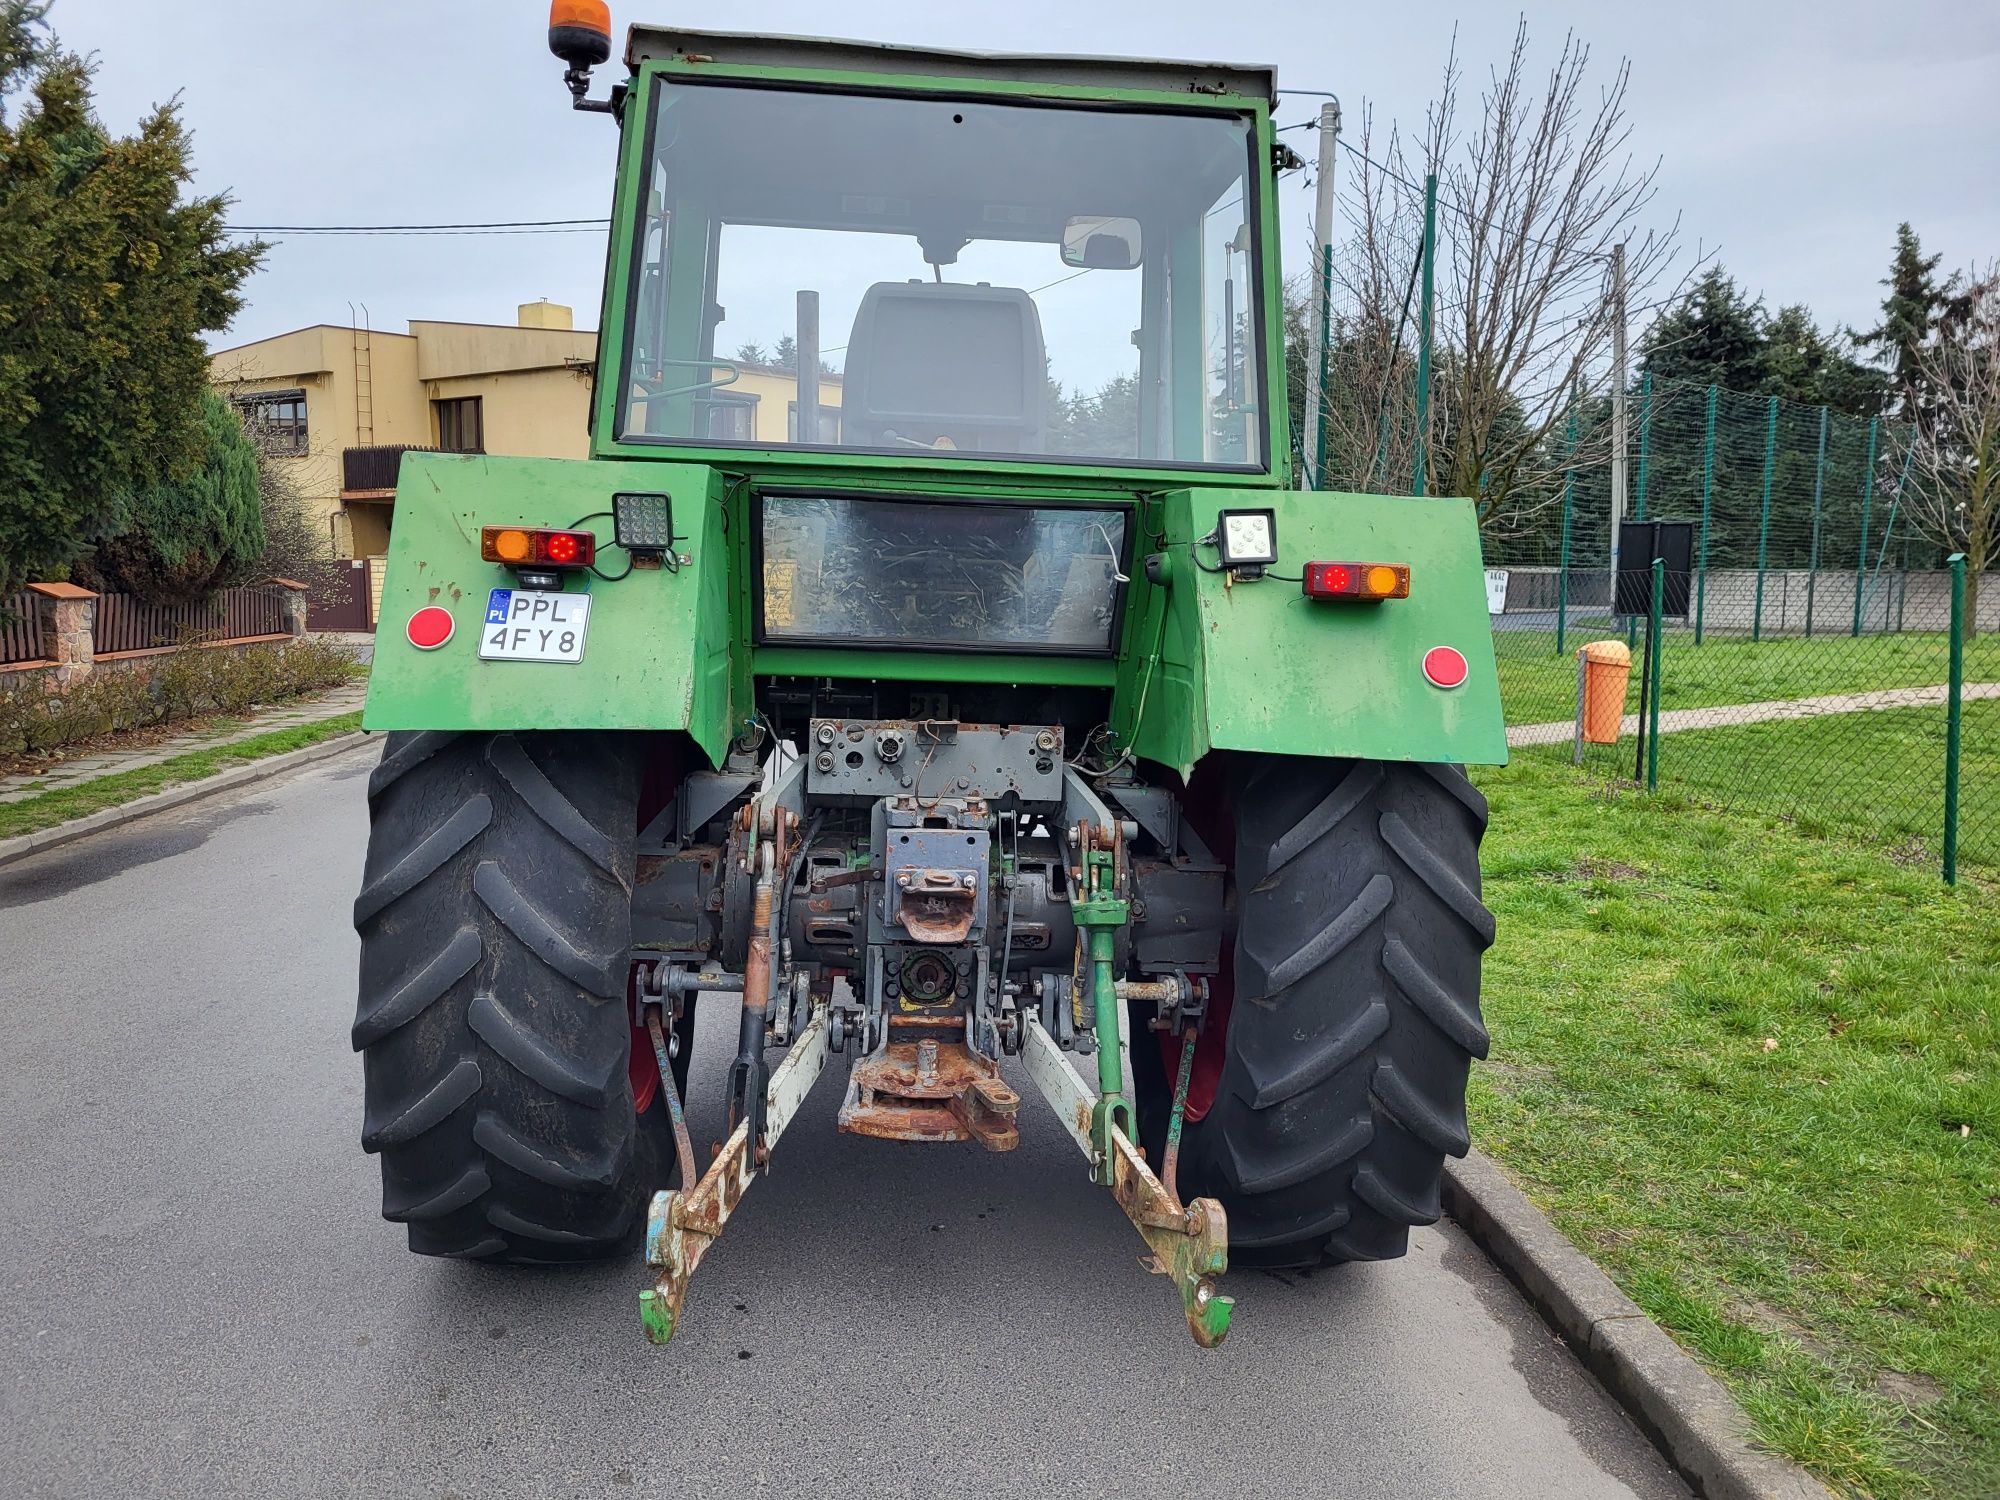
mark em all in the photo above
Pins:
pixel 461 425
pixel 731 419
pixel 275 420
pixel 829 423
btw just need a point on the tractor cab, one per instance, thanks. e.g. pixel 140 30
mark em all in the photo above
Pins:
pixel 985 275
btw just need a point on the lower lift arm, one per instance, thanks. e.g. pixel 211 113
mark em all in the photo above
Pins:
pixel 682 1224
pixel 1190 1242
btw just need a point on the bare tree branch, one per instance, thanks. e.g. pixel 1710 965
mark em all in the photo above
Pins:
pixel 1956 501
pixel 1534 191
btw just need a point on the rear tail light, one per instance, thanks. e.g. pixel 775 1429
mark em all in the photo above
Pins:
pixel 1362 581
pixel 528 547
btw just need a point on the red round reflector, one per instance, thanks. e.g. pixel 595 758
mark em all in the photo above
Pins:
pixel 430 627
pixel 1445 666
pixel 562 548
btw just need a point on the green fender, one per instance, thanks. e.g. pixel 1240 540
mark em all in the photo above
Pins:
pixel 657 653
pixel 1259 666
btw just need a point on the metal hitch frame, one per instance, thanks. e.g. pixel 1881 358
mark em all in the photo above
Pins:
pixel 682 1224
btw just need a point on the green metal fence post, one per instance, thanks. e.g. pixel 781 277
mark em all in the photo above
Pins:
pixel 1645 437
pixel 1874 585
pixel 1819 491
pixel 1569 497
pixel 1417 480
pixel 1867 500
pixel 1639 512
pixel 1764 523
pixel 1707 494
pixel 1954 727
pixel 1652 709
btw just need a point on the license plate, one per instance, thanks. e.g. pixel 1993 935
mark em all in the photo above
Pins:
pixel 533 625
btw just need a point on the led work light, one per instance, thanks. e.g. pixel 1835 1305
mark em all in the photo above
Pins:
pixel 1247 538
pixel 643 522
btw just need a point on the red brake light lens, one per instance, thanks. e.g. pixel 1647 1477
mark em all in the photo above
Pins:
pixel 527 547
pixel 1360 581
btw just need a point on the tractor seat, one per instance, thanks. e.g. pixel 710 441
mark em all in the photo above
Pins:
pixel 929 361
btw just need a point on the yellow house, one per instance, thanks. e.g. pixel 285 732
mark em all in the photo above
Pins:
pixel 759 405
pixel 340 406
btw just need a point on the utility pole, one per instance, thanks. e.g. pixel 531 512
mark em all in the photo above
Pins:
pixel 1618 377
pixel 1419 479
pixel 1313 454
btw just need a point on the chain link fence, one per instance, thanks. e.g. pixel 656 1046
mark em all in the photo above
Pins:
pixel 1808 676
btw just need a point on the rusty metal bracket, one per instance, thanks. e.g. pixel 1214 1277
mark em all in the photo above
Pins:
pixel 1190 1242
pixel 933 1089
pixel 682 1224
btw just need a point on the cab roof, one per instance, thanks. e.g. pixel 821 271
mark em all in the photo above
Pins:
pixel 747 49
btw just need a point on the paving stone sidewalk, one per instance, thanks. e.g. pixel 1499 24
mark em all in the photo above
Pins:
pixel 293 712
pixel 1723 715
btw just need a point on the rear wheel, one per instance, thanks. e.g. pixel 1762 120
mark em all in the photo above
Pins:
pixel 495 923
pixel 1354 1015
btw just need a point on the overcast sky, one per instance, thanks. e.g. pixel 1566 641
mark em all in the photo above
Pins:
pixel 1793 136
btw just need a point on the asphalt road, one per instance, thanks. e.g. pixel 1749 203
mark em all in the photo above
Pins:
pixel 201 1299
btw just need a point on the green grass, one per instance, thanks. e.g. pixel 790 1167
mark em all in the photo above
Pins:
pixel 32 814
pixel 1756 1075
pixel 1877 775
pixel 1537 686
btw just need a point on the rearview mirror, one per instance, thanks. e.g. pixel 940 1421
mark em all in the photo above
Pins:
pixel 1097 243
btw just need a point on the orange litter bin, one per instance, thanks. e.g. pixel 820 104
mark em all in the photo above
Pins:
pixel 1607 671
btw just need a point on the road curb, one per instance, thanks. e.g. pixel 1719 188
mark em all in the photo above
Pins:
pixel 177 796
pixel 1685 1410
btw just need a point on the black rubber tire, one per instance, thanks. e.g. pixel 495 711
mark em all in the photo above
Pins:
pixel 495 920
pixel 1355 1015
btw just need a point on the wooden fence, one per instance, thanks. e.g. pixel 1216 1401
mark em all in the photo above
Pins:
pixel 125 623
pixel 21 630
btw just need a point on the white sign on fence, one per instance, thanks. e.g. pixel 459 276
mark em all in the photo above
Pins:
pixel 1496 591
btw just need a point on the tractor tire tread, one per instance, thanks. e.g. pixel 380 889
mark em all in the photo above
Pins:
pixel 424 858
pixel 532 1055
pixel 497 1140
pixel 410 999
pixel 495 919
pixel 454 1195
pixel 1355 1009
pixel 405 754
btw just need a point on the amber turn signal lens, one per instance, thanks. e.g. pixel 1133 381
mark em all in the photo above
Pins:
pixel 507 546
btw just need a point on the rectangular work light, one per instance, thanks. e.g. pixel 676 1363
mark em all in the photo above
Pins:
pixel 1247 538
pixel 1361 582
pixel 643 523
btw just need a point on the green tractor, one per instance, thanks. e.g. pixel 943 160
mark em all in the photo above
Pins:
pixel 935 663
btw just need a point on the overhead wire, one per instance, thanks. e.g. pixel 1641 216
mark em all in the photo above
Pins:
pixel 496 226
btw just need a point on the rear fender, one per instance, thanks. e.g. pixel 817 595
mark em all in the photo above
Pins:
pixel 657 651
pixel 1258 666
